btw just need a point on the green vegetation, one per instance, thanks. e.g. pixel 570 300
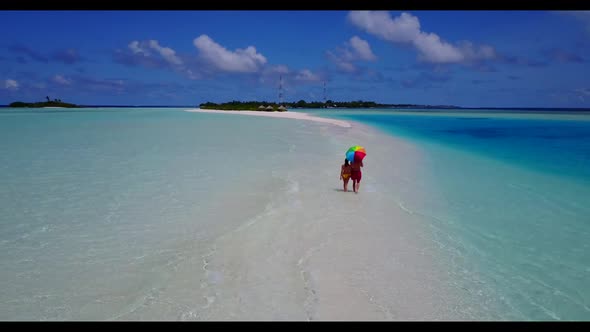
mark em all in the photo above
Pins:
pixel 48 103
pixel 337 104
pixel 358 104
pixel 262 106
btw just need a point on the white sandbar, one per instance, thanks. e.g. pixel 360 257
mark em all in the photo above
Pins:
pixel 284 115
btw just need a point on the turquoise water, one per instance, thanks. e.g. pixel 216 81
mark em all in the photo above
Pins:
pixel 515 219
pixel 101 206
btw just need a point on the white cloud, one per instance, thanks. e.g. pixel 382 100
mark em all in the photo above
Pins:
pixel 362 49
pixel 11 84
pixel 59 79
pixel 482 52
pixel 135 47
pixel 241 60
pixel 342 60
pixel 433 49
pixel 355 49
pixel 406 29
pixel 151 54
pixel 307 75
pixel 345 66
pixel 165 52
pixel 281 69
pixel 143 48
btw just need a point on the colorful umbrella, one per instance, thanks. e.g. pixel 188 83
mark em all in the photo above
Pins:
pixel 356 153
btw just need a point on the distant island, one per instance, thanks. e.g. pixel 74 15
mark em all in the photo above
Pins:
pixel 274 107
pixel 247 105
pixel 48 103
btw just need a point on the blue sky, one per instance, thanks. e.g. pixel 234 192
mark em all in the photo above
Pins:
pixel 465 58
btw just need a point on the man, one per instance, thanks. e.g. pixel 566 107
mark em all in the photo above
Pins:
pixel 356 175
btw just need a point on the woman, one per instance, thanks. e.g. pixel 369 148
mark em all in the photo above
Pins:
pixel 356 175
pixel 345 172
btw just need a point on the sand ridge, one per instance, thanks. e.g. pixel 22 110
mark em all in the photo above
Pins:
pixel 284 115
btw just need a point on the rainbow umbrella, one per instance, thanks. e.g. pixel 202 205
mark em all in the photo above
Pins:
pixel 356 153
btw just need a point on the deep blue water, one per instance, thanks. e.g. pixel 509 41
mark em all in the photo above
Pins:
pixel 549 144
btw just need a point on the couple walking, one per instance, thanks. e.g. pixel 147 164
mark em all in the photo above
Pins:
pixel 351 171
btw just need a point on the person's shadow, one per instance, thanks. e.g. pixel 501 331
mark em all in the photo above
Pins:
pixel 342 190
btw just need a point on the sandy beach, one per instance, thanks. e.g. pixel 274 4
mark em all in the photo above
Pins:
pixel 322 254
pixel 282 115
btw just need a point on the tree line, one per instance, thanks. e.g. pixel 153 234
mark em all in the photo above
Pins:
pixel 256 105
